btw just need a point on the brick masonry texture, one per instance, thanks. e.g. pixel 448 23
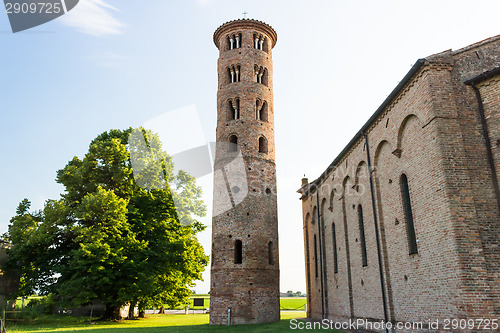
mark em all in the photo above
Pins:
pixel 431 131
pixel 250 288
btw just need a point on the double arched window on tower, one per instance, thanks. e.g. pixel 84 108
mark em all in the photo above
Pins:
pixel 234 73
pixel 234 41
pixel 233 109
pixel 261 75
pixel 261 110
pixel 260 42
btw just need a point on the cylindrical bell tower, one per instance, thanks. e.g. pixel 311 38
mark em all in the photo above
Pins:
pixel 245 258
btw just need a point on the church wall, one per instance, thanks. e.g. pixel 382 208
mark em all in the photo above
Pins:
pixel 490 92
pixel 351 189
pixel 431 133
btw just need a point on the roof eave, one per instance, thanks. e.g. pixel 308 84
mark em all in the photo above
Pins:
pixel 406 79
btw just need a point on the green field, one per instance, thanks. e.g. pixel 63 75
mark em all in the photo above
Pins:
pixel 286 303
pixel 150 324
pixel 292 303
pixel 293 307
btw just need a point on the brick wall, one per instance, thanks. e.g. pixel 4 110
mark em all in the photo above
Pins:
pixel 431 132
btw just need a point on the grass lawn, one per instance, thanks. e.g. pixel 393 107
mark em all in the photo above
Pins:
pixel 151 324
pixel 286 303
pixel 19 301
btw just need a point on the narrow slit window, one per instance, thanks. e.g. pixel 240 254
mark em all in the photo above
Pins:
pixel 234 140
pixel 271 254
pixel 335 255
pixel 362 236
pixel 262 145
pixel 410 226
pixel 258 108
pixel 315 257
pixel 238 252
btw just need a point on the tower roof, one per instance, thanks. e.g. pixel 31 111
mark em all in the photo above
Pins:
pixel 245 24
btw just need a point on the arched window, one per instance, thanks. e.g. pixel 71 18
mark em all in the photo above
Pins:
pixel 261 75
pixel 271 254
pixel 257 70
pixel 234 140
pixel 410 226
pixel 261 110
pixel 262 145
pixel 362 236
pixel 234 41
pixel 234 73
pixel 335 256
pixel 233 109
pixel 265 77
pixel 260 42
pixel 238 251
pixel 315 257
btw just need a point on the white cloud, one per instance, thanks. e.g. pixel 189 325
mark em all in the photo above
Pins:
pixel 92 17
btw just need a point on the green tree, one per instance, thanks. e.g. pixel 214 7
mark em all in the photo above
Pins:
pixel 116 234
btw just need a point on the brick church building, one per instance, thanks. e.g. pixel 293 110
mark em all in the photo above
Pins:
pixel 404 224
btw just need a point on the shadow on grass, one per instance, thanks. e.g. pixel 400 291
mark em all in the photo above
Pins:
pixel 281 326
pixel 154 324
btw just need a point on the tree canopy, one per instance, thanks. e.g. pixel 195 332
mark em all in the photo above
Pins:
pixel 124 231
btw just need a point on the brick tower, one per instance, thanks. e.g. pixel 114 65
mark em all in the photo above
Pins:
pixel 245 265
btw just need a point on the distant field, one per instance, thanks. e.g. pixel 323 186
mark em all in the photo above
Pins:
pixel 286 303
pixel 292 303
pixel 19 301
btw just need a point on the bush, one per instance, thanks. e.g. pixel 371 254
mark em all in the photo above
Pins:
pixel 43 305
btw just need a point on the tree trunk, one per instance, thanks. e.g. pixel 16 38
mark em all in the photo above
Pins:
pixel 112 312
pixel 142 308
pixel 131 310
pixel 162 310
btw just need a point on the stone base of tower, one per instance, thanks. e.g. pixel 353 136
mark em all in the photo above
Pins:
pixel 250 303
pixel 258 308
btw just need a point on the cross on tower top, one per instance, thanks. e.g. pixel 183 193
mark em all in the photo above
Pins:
pixel 245 13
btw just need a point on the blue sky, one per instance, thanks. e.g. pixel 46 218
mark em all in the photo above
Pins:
pixel 120 63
